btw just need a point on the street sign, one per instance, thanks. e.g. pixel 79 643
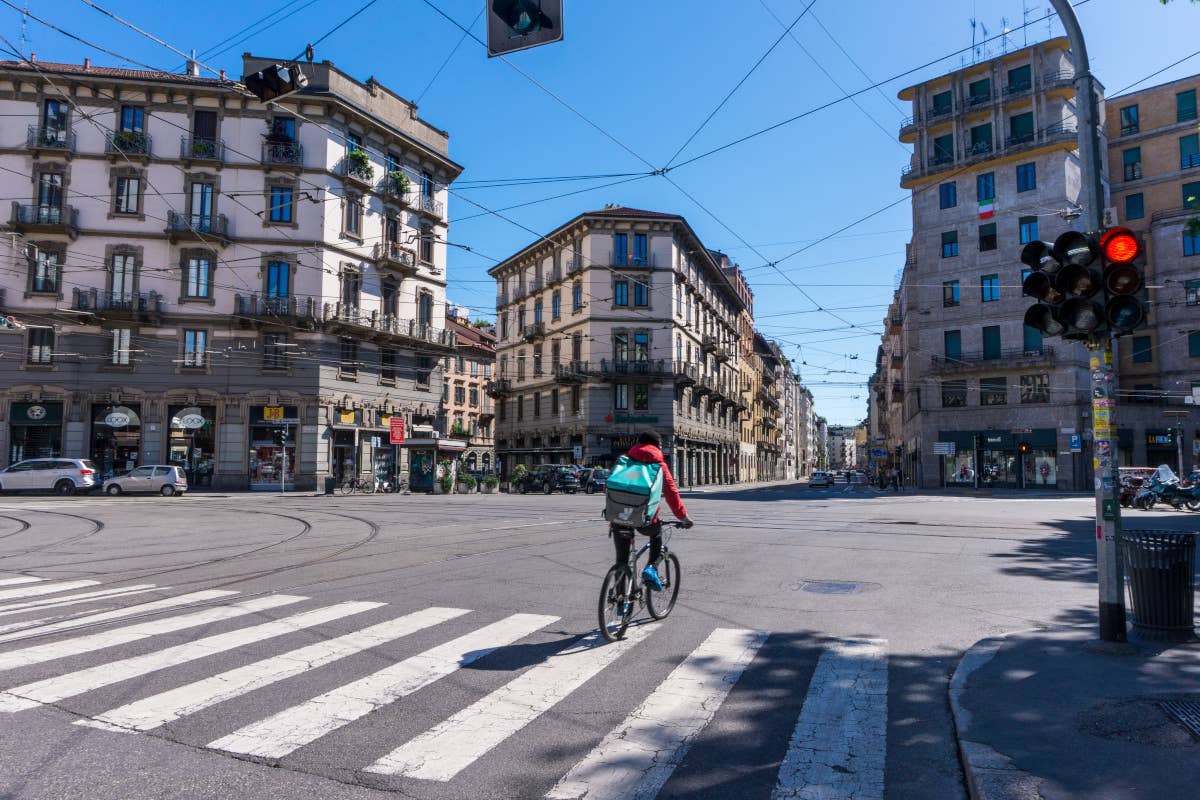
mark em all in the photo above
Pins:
pixel 943 448
pixel 878 453
pixel 577 452
pixel 272 413
pixel 1076 443
pixel 396 430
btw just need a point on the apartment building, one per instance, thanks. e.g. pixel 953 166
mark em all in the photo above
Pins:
pixel 194 271
pixel 749 366
pixel 1154 161
pixel 768 410
pixel 994 166
pixel 468 411
pixel 617 321
pixel 805 432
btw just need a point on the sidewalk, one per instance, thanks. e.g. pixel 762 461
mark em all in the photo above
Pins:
pixel 717 488
pixel 1056 714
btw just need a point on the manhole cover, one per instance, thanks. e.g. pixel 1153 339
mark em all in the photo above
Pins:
pixel 1185 712
pixel 829 587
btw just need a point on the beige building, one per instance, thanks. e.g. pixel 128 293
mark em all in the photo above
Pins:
pixel 468 411
pixel 617 321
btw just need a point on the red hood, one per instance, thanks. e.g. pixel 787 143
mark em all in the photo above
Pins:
pixel 647 454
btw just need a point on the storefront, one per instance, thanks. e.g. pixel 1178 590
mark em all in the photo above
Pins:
pixel 422 460
pixel 191 442
pixel 381 453
pixel 272 465
pixel 344 452
pixel 1025 459
pixel 35 431
pixel 116 438
pixel 1161 448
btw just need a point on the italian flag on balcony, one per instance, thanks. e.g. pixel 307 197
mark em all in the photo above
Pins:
pixel 987 208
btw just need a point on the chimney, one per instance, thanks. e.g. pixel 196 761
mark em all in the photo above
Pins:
pixel 33 58
pixel 193 69
pixel 87 64
pixel 222 74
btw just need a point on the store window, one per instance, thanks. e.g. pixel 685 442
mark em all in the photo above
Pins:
pixel 35 431
pixel 273 464
pixel 192 442
pixel 954 394
pixel 1035 388
pixel 116 438
pixel 993 391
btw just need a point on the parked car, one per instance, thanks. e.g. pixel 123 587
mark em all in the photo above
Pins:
pixel 594 480
pixel 63 476
pixel 820 479
pixel 158 478
pixel 547 478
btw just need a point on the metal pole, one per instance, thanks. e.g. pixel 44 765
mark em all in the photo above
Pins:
pixel 283 462
pixel 1110 568
pixel 1179 448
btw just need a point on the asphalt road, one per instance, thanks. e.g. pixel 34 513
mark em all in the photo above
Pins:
pixel 258 646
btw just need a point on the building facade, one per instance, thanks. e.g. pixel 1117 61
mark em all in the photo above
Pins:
pixel 193 272
pixel 618 321
pixel 468 411
pixel 748 377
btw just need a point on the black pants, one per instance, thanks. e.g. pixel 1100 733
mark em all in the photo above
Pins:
pixel 623 540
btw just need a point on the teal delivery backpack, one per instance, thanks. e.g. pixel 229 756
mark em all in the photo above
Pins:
pixel 633 493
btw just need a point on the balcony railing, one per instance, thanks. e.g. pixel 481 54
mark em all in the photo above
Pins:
pixel 194 148
pixel 356 169
pixel 937 112
pixel 426 204
pixel 939 162
pixel 708 343
pixel 127 143
pixel 685 373
pixel 1020 139
pixel 392 254
pixel 985 360
pixel 1014 89
pixel 498 387
pixel 42 137
pixel 46 219
pixel 574 263
pixel 117 303
pixel 416 331
pixel 275 307
pixel 1129 130
pixel 1058 79
pixel 201 227
pixel 396 189
pixel 283 152
pixel 978 100
pixel 627 260
pixel 535 331
pixel 633 369
pixel 979 149
pixel 1133 172
pixel 572 372
pixel 1192 210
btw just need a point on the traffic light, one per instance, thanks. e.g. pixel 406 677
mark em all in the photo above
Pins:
pixel 1124 269
pixel 10 322
pixel 1023 447
pixel 275 82
pixel 520 24
pixel 280 436
pixel 1041 285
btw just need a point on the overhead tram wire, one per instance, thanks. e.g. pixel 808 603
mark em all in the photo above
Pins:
pixel 284 12
pixel 861 71
pixel 449 56
pixel 79 39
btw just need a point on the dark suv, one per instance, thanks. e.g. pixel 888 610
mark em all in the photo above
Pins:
pixel 547 478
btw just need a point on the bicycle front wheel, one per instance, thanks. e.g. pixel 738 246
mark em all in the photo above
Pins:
pixel 615 606
pixel 348 487
pixel 659 604
pixel 368 487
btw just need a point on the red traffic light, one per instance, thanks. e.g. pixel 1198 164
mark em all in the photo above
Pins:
pixel 1120 245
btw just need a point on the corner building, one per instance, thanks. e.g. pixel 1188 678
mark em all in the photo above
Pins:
pixel 618 321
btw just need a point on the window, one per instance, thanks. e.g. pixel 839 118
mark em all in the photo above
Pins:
pixel 1191 195
pixel 197 278
pixel 987 237
pixel 981 139
pixel 204 129
pixel 991 342
pixel 283 129
pixel 993 391
pixel 195 348
pixel 1143 350
pixel 352 224
pixel 621 396
pixel 640 257
pixel 679 347
pixel 1189 151
pixel 427 186
pixel 122 274
pixel 281 204
pixel 1032 340
pixel 504 326
pixel 427 244
pixel 41 346
pixel 1035 388
pixel 979 92
pixel 1029 229
pixel 133 119
pixel 949 244
pixel 985 186
pixel 279 279
pixel 943 149
pixel 1185 105
pixel 521 321
pixel 620 347
pixel 952 345
pixel 347 357
pixel 519 401
pixel 45 272
pixel 576 400
pixel 275 351
pixel 948 195
pixel 474 396
pixel 577 346
pixel 424 311
pixel 1129 120
pixel 555 353
pixel 641 397
pixel 556 306
pixel 537 311
pixel 460 364
pixel 1020 128
pixel 127 198
pixel 950 294
pixel 119 352
pixel 577 296
pixel 353 142
pixel 943 103
pixel 460 394
pixel 1191 244
pixel 989 288
pixel 351 289
pixel 387 365
pixel 1132 161
pixel 1194 344
pixel 1026 177
pixel 641 347
pixel 954 394
pixel 537 360
pixel 620 248
pixel 1020 79
pixel 621 293
pixel 641 294
pixel 424 370
pixel 201 200
pixel 1135 206
pixel 1192 293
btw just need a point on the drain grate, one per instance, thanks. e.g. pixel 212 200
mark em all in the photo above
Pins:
pixel 829 587
pixel 1185 712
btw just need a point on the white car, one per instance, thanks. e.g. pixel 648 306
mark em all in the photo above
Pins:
pixel 162 479
pixel 820 479
pixel 63 476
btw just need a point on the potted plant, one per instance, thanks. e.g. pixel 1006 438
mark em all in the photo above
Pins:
pixel 360 165
pixel 398 182
pixel 129 141
pixel 466 483
pixel 518 475
pixel 490 483
pixel 446 484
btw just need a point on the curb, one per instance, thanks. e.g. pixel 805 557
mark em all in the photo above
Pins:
pixel 990 774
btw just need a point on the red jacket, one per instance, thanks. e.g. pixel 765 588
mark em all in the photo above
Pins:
pixel 649 454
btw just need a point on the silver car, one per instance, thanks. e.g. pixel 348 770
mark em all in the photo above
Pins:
pixel 63 476
pixel 161 479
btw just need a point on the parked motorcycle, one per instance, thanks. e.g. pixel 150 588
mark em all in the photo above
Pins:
pixel 1166 488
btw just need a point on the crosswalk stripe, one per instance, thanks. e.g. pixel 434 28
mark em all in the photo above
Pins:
pixel 70 600
pixel 168 706
pixel 637 757
pixel 450 747
pixel 14 581
pixel 132 633
pixel 295 727
pixel 106 616
pixel 43 588
pixel 840 741
pixel 60 687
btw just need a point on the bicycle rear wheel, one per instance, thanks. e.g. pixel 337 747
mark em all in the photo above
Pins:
pixel 348 487
pixel 660 604
pixel 615 606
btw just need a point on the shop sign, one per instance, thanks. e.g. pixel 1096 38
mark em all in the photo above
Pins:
pixel 36 412
pixel 939 449
pixel 190 421
pixel 635 418
pixel 992 439
pixel 1160 439
pixel 272 413
pixel 347 417
pixel 396 430
pixel 116 419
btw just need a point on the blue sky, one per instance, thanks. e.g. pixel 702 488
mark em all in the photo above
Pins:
pixel 648 77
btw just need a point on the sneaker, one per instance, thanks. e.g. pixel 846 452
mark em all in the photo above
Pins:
pixel 650 576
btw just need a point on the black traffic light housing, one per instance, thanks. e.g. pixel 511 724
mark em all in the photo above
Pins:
pixel 1124 279
pixel 520 24
pixel 280 436
pixel 274 82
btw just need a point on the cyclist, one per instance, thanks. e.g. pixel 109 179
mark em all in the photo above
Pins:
pixel 648 451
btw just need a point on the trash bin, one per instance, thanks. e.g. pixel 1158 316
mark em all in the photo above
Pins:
pixel 330 482
pixel 1161 567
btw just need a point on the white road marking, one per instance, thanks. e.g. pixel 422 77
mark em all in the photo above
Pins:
pixel 17 608
pixel 43 588
pixel 450 747
pixel 51 690
pixel 295 727
pixel 840 742
pixel 132 633
pixel 637 757
pixel 105 616
pixel 168 706
pixel 14 581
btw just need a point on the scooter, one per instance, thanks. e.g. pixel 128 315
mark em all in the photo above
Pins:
pixel 1164 485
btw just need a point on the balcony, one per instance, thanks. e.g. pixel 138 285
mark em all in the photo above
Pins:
pixel 1062 79
pixel 42 138
pixel 532 333
pixel 976 100
pixel 392 256
pixel 142 306
pixel 45 219
pixel 897 360
pixel 121 144
pixel 626 260
pixel 351 316
pixel 202 228
pixel 1017 89
pixel 982 151
pixel 419 335
pixel 720 353
pixel 193 148
pixel 500 387
pixel 572 372
pixel 708 343
pixel 768 397
pixel 1175 214
pixel 574 263
pixel 356 168
pixel 1004 359
pixel 1130 130
pixel 979 149
pixel 705 384
pixel 623 370
pixel 908 127
pixel 283 153
pixel 685 374
pixel 395 188
pixel 1017 141
pixel 290 309
pixel 427 206
pixel 896 324
pixel 938 112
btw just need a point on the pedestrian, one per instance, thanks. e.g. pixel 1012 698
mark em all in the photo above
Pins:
pixel 895 479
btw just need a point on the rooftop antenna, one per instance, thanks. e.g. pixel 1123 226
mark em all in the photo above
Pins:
pixel 24 17
pixel 1004 34
pixel 987 50
pixel 1049 23
pixel 1025 21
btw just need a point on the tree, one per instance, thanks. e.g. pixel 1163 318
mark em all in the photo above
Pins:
pixel 481 323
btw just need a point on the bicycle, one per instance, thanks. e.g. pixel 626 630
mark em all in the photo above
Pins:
pixel 623 593
pixel 364 485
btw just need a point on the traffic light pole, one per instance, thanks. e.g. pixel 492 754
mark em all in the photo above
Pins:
pixel 1109 566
